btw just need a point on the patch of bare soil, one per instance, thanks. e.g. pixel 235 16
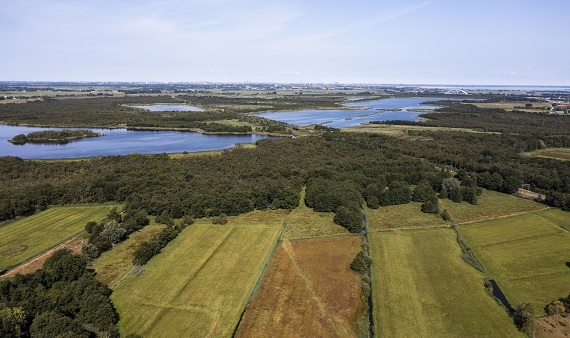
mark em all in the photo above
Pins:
pixel 555 326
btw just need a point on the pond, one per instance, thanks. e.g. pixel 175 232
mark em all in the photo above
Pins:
pixel 119 142
pixel 168 107
pixel 375 110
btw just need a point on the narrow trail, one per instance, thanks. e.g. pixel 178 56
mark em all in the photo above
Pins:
pixel 339 328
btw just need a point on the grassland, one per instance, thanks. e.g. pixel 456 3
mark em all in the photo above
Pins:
pixel 30 236
pixel 423 289
pixel 401 130
pixel 562 154
pixel 304 222
pixel 490 205
pixel 114 264
pixel 401 216
pixel 536 106
pixel 526 254
pixel 200 283
pixel 309 290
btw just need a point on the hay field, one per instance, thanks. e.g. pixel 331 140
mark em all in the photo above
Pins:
pixel 309 290
pixel 198 286
pixel 525 254
pixel 491 204
pixel 422 288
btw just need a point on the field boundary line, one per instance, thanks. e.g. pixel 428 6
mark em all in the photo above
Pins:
pixel 503 216
pixel 339 328
pixel 301 239
pixel 442 226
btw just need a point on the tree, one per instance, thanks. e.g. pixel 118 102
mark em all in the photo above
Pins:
pixel 522 315
pixel 112 232
pixel 361 263
pixel 12 322
pixel 349 218
pixel 63 265
pixel 53 324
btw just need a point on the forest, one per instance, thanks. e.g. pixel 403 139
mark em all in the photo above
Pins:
pixel 343 172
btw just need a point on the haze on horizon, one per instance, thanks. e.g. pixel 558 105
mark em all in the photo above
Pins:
pixel 505 42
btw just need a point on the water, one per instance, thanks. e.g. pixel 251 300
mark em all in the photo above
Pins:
pixel 119 142
pixel 168 107
pixel 376 110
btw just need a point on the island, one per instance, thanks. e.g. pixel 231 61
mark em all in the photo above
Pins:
pixel 53 136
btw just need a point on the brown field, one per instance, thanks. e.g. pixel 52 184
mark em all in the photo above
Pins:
pixel 555 153
pixel 309 291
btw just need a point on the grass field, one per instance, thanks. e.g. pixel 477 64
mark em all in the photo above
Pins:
pixel 200 283
pixel 491 204
pixel 309 290
pixel 401 216
pixel 536 106
pixel 303 222
pixel 114 264
pixel 422 288
pixel 401 130
pixel 30 236
pixel 525 254
pixel 555 153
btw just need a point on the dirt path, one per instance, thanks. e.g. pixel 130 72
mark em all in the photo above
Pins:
pixel 74 244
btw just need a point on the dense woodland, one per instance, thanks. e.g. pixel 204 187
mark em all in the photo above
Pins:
pixel 342 172
pixel 62 300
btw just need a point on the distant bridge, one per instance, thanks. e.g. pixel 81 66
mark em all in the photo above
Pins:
pixel 456 92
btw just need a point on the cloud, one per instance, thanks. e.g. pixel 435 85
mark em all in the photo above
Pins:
pixel 301 41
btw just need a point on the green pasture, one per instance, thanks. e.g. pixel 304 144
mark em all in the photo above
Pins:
pixel 491 204
pixel 422 288
pixel 25 238
pixel 526 254
pixel 401 216
pixel 199 284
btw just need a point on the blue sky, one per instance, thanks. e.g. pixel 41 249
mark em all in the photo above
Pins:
pixel 383 41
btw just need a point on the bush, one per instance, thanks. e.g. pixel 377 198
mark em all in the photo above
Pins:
pixel 349 218
pixel 361 263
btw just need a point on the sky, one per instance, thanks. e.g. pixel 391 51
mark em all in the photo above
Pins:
pixel 486 42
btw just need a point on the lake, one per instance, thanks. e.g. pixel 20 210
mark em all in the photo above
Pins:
pixel 119 142
pixel 375 110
